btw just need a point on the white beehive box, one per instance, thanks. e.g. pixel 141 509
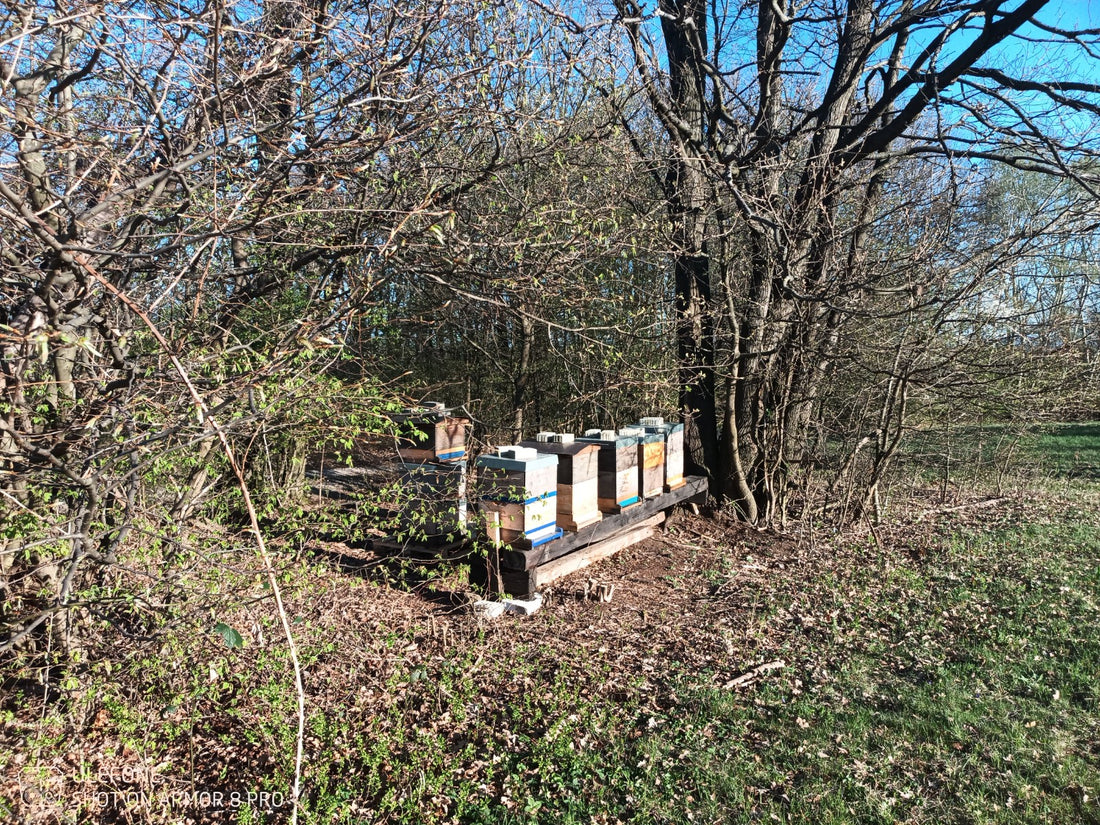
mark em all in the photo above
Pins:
pixel 518 491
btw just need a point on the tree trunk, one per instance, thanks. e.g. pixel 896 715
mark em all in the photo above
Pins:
pixel 684 24
pixel 521 378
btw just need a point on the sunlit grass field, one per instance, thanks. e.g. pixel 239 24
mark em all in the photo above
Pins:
pixel 949 674
pixel 944 669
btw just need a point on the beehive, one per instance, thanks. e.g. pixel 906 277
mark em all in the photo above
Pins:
pixel 674 448
pixel 651 461
pixel 433 499
pixel 618 469
pixel 578 478
pixel 431 433
pixel 518 491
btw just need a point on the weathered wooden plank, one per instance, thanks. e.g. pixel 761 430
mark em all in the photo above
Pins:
pixel 517 570
pixel 578 560
pixel 527 558
pixel 444 548
pixel 515 582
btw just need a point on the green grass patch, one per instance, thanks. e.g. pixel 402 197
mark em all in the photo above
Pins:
pixel 961 689
pixel 970 694
pixel 1071 450
pixel 1003 452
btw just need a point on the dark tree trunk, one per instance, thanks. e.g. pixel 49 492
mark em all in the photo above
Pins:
pixel 684 23
pixel 695 350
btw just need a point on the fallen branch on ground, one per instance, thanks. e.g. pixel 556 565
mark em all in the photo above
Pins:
pixel 971 505
pixel 753 675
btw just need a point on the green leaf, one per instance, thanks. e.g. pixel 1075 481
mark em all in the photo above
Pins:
pixel 232 637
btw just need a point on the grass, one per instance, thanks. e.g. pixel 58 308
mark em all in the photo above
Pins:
pixel 1071 450
pixel 969 692
pixel 949 675
pixel 1021 454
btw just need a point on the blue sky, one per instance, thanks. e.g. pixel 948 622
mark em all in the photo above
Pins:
pixel 1070 62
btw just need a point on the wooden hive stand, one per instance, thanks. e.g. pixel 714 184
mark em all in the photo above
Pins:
pixel 522 569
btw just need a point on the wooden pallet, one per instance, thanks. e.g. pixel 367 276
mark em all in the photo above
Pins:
pixel 439 548
pixel 522 569
pixel 369 552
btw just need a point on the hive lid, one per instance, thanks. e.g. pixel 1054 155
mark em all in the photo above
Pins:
pixel 429 409
pixel 667 428
pixel 517 452
pixel 610 438
pixel 425 468
pixel 517 457
pixel 557 448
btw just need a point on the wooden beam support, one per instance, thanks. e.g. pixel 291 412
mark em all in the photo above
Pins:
pixel 580 559
pixel 518 557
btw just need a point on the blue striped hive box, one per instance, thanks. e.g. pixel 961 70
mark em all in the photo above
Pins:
pixel 433 500
pixel 518 491
pixel 578 478
pixel 431 433
pixel 673 434
pixel 618 469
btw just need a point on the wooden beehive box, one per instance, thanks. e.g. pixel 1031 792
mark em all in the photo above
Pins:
pixel 651 461
pixel 618 469
pixel 578 478
pixel 673 435
pixel 518 491
pixel 432 433
pixel 433 504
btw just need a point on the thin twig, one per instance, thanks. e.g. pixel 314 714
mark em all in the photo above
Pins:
pixel 753 675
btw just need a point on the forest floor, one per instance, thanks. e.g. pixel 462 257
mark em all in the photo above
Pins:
pixel 943 667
